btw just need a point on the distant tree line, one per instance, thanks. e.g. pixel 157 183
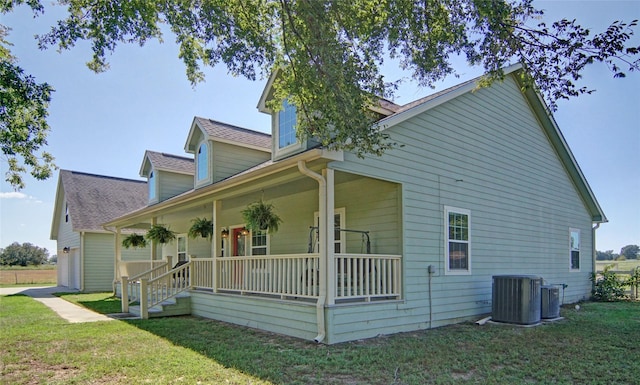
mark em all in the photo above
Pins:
pixel 627 252
pixel 25 254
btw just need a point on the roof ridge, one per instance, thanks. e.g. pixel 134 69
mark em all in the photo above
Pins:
pixel 104 176
pixel 233 126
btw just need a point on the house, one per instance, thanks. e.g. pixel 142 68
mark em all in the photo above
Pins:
pixel 483 184
pixel 85 249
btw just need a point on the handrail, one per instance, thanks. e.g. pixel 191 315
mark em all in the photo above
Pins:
pixel 131 285
pixel 163 287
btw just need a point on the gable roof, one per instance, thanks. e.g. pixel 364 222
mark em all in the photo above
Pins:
pixel 95 199
pixel 542 113
pixel 166 162
pixel 226 133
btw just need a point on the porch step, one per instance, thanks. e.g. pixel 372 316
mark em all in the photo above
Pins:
pixel 180 305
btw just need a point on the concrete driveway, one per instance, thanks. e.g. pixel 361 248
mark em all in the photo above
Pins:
pixel 70 312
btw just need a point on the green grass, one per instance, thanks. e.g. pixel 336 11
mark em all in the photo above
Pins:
pixel 596 345
pixel 104 303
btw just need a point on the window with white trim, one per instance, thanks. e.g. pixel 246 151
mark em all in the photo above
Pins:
pixel 287 125
pixel 182 248
pixel 339 220
pixel 574 249
pixel 259 242
pixel 457 226
pixel 66 212
pixel 152 186
pixel 203 162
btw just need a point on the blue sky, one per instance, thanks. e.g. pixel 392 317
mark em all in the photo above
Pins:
pixel 103 123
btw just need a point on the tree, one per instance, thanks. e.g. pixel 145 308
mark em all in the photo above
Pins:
pixel 23 124
pixel 22 255
pixel 630 251
pixel 330 52
pixel 606 255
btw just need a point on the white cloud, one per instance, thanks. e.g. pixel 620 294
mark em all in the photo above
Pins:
pixel 13 195
pixel 19 195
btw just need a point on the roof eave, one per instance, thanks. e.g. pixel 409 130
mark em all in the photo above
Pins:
pixel 138 215
pixel 563 150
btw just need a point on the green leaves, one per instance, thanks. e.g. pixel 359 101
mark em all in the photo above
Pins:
pixel 330 52
pixel 23 124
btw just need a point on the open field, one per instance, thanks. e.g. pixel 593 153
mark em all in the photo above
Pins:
pixel 28 275
pixel 39 347
pixel 627 265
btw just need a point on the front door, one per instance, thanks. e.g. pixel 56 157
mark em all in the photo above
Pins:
pixel 239 241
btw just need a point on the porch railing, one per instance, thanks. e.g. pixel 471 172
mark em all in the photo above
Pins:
pixel 131 292
pixel 290 275
pixel 357 278
pixel 153 291
pixel 133 269
pixel 367 277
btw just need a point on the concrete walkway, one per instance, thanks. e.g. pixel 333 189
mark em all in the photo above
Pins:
pixel 70 312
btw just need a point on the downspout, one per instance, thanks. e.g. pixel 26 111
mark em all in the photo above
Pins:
pixel 594 253
pixel 322 197
pixel 82 261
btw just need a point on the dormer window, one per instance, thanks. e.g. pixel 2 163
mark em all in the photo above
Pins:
pixel 287 125
pixel 152 186
pixel 202 162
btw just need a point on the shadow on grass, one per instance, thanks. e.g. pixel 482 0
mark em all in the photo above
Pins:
pixel 96 302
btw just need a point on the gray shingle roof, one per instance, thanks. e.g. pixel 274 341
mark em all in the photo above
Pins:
pixel 215 129
pixel 169 162
pixel 96 199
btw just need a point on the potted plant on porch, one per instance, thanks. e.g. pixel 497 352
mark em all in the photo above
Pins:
pixel 261 216
pixel 160 233
pixel 202 227
pixel 134 240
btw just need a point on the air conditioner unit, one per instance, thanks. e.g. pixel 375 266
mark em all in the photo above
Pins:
pixel 516 299
pixel 550 301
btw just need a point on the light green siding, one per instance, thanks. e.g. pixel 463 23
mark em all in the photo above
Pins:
pixel 485 152
pixel 99 258
pixel 229 159
pixel 297 320
pixel 171 184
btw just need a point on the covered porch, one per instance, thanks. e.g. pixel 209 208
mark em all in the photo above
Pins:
pixel 340 243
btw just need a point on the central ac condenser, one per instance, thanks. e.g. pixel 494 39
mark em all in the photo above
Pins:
pixel 516 299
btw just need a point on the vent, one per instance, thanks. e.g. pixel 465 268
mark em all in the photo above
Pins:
pixel 550 302
pixel 516 299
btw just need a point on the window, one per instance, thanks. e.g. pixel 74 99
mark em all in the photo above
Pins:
pixel 457 248
pixel 152 186
pixel 66 212
pixel 259 242
pixel 287 125
pixel 574 245
pixel 203 162
pixel 182 248
pixel 338 237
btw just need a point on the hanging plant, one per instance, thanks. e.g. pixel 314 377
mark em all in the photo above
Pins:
pixel 202 227
pixel 160 234
pixel 134 240
pixel 261 216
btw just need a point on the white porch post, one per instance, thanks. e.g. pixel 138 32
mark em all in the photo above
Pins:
pixel 329 236
pixel 215 244
pixel 154 252
pixel 118 256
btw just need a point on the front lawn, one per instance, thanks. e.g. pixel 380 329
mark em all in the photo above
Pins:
pixel 597 345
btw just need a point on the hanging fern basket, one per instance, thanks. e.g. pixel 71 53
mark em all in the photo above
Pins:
pixel 161 234
pixel 201 227
pixel 134 240
pixel 261 216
